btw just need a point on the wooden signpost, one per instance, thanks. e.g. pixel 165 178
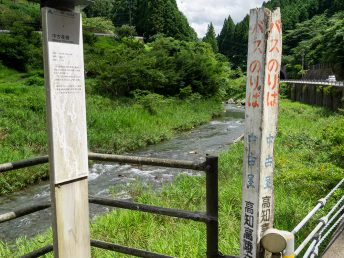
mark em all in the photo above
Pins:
pixel 262 90
pixel 66 112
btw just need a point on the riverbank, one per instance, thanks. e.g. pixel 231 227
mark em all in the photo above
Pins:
pixel 114 125
pixel 307 166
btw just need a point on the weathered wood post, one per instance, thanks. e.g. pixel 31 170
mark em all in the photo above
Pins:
pixel 66 115
pixel 263 67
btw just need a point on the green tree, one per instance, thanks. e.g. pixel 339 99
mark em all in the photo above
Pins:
pixel 124 12
pixel 100 8
pixel 126 31
pixel 238 53
pixel 226 37
pixel 165 66
pixel 210 37
pixel 152 17
pixel 22 48
pixel 98 24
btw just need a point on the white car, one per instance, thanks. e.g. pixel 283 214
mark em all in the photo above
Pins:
pixel 331 78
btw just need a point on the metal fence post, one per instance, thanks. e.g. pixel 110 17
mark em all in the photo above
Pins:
pixel 212 197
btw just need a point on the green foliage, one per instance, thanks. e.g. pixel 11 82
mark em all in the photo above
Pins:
pixel 233 41
pixel 164 66
pixel 235 89
pixel 22 11
pixel 35 80
pixel 22 48
pixel 185 92
pixel 100 8
pixel 210 37
pixel 162 16
pixel 114 126
pixel 295 195
pixel 285 90
pixel 334 133
pixel 296 11
pixel 148 17
pixel 225 39
pixel 149 101
pixel 89 38
pixel 319 38
pixel 126 31
pixel 98 24
pixel 313 27
pixel 294 71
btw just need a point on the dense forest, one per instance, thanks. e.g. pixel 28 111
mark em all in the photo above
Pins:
pixel 313 29
pixel 169 61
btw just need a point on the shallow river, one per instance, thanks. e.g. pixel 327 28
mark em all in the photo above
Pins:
pixel 210 138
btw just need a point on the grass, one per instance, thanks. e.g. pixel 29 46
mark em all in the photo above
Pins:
pixel 114 125
pixel 305 171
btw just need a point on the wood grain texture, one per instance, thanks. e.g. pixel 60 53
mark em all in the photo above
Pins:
pixel 262 89
pixel 66 116
pixel 71 216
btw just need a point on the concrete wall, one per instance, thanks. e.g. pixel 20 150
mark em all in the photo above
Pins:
pixel 331 97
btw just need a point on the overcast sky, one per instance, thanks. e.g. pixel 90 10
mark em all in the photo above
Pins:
pixel 201 12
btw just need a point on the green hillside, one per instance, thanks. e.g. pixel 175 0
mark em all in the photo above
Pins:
pixel 313 28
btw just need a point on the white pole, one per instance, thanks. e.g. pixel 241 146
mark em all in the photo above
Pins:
pixel 262 89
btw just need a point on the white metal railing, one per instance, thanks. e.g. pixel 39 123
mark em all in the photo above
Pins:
pixel 316 82
pixel 318 234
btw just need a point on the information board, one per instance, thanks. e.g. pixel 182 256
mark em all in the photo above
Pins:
pixel 64 71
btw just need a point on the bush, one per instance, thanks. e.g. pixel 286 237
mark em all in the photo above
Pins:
pixel 35 80
pixel 294 71
pixel 126 31
pixel 22 48
pixel 185 92
pixel 98 24
pixel 149 101
pixel 165 66
pixel 334 134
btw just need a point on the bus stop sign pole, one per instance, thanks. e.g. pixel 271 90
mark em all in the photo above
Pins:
pixel 262 90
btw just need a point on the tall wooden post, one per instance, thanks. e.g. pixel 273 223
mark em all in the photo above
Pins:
pixel 262 90
pixel 66 112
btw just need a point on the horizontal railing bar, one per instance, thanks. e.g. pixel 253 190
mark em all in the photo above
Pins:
pixel 339 227
pixel 321 203
pixel 109 158
pixel 23 211
pixel 23 163
pixel 147 161
pixel 39 252
pixel 309 237
pixel 323 237
pixel 127 250
pixel 316 82
pixel 195 216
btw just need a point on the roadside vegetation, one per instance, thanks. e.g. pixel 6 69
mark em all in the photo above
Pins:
pixel 141 92
pixel 138 93
pixel 305 170
pixel 114 125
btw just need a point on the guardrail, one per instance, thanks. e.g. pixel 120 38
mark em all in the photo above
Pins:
pixel 320 231
pixel 316 82
pixel 210 217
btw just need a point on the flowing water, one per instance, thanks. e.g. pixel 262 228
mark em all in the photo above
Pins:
pixel 210 139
